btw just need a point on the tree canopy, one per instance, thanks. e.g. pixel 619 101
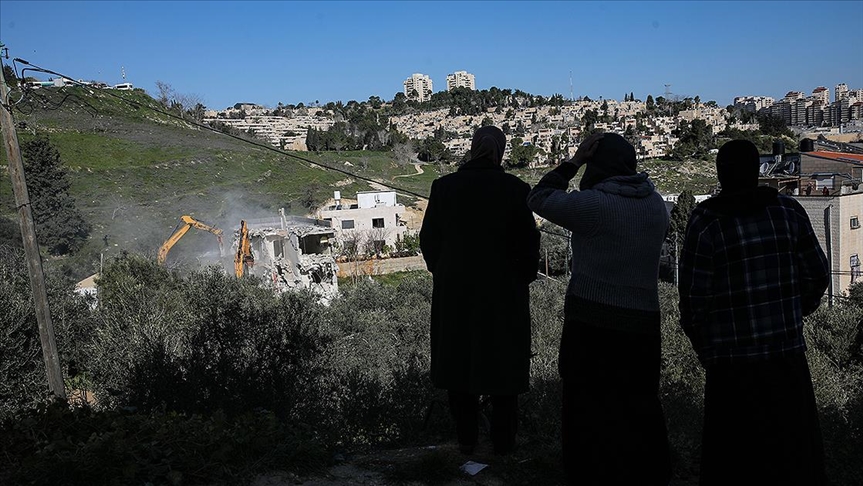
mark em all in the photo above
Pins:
pixel 60 226
pixel 695 140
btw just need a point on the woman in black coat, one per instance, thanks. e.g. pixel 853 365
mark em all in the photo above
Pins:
pixel 479 240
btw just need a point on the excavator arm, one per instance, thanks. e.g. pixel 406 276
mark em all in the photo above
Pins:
pixel 244 257
pixel 187 222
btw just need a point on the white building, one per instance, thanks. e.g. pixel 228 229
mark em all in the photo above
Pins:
pixel 418 87
pixel 841 92
pixel 821 94
pixel 366 227
pixel 460 79
pixel 753 103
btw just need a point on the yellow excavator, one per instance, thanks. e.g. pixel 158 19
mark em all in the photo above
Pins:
pixel 187 223
pixel 244 257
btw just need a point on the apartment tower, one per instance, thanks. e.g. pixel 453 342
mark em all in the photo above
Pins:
pixel 460 79
pixel 418 87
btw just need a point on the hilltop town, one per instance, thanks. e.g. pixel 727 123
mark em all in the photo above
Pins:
pixel 553 125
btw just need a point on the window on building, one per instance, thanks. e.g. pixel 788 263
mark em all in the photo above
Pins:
pixel 855 222
pixel 347 224
pixel 278 249
pixel 377 222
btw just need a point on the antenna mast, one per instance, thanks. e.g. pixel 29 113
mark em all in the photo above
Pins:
pixel 570 86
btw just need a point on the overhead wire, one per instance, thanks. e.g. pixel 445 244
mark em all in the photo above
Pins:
pixel 242 139
pixel 204 126
pixel 245 140
pixel 236 137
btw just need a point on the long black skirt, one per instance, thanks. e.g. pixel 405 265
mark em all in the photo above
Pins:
pixel 761 425
pixel 613 426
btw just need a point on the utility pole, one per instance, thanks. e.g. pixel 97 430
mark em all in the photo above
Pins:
pixel 829 244
pixel 31 248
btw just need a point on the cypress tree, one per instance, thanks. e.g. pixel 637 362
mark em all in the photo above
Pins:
pixel 60 226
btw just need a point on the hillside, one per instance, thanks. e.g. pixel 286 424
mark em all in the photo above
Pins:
pixel 135 171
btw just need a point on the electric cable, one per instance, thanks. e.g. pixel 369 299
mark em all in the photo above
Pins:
pixel 236 137
pixel 214 130
pixel 245 140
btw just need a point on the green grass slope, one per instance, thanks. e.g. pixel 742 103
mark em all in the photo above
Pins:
pixel 135 171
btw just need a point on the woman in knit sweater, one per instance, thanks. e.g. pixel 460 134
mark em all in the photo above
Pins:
pixel 613 426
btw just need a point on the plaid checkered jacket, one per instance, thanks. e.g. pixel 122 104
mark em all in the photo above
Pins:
pixel 750 269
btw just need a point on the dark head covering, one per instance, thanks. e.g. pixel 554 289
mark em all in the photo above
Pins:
pixel 487 147
pixel 614 156
pixel 737 166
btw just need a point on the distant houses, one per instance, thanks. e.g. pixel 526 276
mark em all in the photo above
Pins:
pixel 63 82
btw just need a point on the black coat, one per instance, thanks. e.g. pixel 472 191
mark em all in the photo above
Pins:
pixel 479 240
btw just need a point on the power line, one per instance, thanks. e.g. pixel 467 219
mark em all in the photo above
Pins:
pixel 245 140
pixel 214 130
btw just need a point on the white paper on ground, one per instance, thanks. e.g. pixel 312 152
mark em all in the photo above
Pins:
pixel 472 468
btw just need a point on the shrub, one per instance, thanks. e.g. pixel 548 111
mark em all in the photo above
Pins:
pixel 554 250
pixel 202 343
pixel 681 387
pixel 58 445
pixel 540 407
pixel 23 380
pixel 205 350
pixel 377 367
pixel 835 357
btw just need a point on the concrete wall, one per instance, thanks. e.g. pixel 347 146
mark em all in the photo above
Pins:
pixel 851 238
pixel 845 242
pixel 381 266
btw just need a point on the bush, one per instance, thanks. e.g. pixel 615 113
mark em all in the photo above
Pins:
pixel 681 387
pixel 206 350
pixel 203 343
pixel 836 361
pixel 56 445
pixel 377 368
pixel 23 380
pixel 540 407
pixel 554 250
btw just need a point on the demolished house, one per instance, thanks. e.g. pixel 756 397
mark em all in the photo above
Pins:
pixel 292 253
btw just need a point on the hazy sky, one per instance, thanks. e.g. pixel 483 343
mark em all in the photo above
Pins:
pixel 277 51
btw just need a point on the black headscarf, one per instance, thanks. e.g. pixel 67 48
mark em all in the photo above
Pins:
pixel 487 147
pixel 737 166
pixel 614 156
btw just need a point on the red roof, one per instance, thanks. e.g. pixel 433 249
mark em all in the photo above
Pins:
pixel 838 156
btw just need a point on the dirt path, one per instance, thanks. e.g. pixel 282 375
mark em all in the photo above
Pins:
pixel 417 167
